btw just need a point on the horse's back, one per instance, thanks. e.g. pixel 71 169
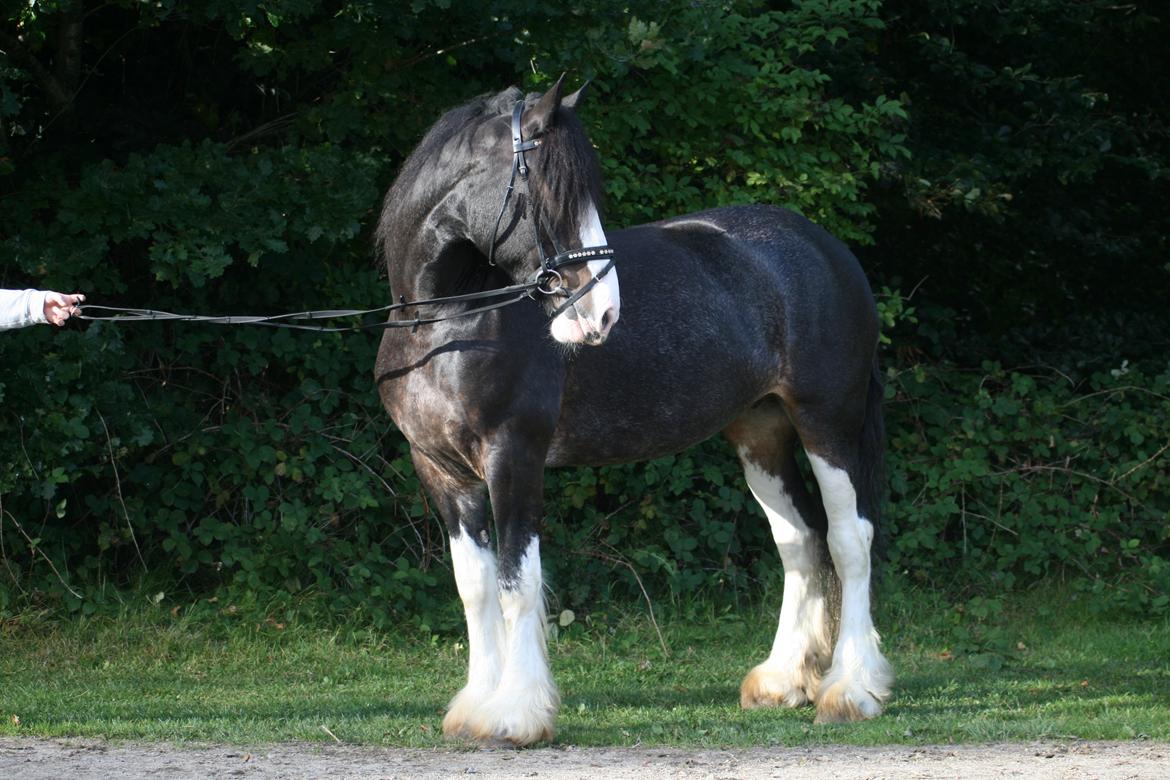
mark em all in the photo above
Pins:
pixel 781 241
pixel 781 270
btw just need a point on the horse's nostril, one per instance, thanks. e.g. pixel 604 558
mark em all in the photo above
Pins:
pixel 606 320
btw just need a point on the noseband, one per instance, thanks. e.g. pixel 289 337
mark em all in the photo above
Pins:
pixel 548 280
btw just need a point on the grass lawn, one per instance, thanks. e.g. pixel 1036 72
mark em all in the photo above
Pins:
pixel 1042 667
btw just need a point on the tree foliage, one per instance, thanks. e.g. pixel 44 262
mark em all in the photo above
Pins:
pixel 999 159
pixel 1038 145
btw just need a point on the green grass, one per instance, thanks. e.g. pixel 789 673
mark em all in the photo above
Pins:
pixel 1043 667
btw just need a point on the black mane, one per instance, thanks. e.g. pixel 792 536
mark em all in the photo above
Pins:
pixel 405 192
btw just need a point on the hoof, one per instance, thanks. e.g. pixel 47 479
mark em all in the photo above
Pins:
pixel 461 711
pixel 455 726
pixel 856 686
pixel 768 686
pixel 510 720
pixel 847 707
pixel 848 701
pixel 516 739
pixel 511 734
pixel 515 732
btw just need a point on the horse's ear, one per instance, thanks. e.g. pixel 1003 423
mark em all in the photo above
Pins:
pixel 543 115
pixel 574 100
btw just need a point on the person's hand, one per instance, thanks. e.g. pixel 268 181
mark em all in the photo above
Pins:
pixel 59 307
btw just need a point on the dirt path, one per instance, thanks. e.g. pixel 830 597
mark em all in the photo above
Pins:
pixel 79 759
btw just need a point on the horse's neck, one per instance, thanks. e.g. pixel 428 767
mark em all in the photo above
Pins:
pixel 437 266
pixel 433 253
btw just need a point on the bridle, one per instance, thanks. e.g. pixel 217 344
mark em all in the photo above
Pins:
pixel 548 279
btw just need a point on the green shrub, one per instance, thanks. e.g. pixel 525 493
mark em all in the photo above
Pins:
pixel 1000 476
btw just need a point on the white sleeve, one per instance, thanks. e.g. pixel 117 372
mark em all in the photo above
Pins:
pixel 19 308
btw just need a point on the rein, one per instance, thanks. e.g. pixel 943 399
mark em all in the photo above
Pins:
pixel 293 320
pixel 546 281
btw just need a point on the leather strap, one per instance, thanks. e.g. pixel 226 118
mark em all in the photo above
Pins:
pixel 519 145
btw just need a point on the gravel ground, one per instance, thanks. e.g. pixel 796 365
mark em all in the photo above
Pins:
pixel 78 759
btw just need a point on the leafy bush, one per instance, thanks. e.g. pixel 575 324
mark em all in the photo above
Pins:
pixel 733 104
pixel 1000 476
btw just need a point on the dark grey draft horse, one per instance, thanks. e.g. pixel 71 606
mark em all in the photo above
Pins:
pixel 747 320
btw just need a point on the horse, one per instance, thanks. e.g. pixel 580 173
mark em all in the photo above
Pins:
pixel 746 320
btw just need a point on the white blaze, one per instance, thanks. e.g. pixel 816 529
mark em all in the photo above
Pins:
pixel 604 297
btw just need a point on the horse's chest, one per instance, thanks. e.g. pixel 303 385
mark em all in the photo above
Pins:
pixel 459 393
pixel 427 407
pixel 444 399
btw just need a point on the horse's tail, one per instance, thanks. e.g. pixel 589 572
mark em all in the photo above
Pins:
pixel 871 467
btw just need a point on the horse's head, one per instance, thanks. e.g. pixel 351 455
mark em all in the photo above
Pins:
pixel 535 210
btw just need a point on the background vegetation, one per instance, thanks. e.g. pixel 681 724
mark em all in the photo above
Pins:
pixel 999 167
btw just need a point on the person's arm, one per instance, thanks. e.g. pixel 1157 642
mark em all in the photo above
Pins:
pixel 19 308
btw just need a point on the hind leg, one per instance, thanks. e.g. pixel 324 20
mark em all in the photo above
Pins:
pixel 837 414
pixel 860 678
pixel 791 675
